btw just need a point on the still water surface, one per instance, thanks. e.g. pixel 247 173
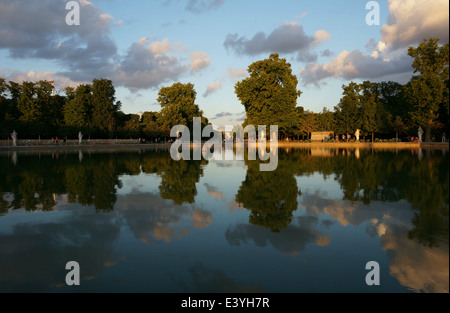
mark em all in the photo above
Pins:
pixel 137 221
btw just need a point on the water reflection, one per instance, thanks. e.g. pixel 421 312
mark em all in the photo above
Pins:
pixel 83 212
pixel 270 196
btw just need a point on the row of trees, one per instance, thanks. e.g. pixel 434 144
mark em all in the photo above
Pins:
pixel 387 109
pixel 34 112
pixel 269 96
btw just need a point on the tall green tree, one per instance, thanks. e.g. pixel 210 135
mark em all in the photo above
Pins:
pixel 371 108
pixel 326 120
pixel 14 90
pixel 348 111
pixel 426 91
pixel 269 95
pixel 150 126
pixel 79 107
pixel 105 106
pixel 307 123
pixel 28 105
pixel 50 106
pixel 178 105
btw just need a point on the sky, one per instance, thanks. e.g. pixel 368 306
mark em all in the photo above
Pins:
pixel 145 45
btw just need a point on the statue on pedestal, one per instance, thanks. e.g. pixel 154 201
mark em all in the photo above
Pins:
pixel 14 138
pixel 420 133
pixel 357 134
pixel 80 137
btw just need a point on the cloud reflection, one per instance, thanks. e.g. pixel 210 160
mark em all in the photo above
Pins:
pixel 151 218
pixel 291 240
pixel 418 267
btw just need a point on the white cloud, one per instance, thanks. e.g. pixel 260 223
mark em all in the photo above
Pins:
pixel 161 47
pixel 198 6
pixel 88 51
pixel 236 73
pixel 302 15
pixel 321 35
pixel 199 60
pixel 410 21
pixel 147 65
pixel 32 76
pixel 212 88
pixel 287 38
pixel 353 65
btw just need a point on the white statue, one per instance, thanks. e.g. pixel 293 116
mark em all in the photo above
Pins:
pixel 14 138
pixel 420 133
pixel 357 134
pixel 80 137
pixel 263 136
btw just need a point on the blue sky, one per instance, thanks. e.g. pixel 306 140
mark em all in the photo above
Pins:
pixel 145 45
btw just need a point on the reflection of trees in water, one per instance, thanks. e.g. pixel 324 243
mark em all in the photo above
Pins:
pixel 178 179
pixel 393 176
pixel 31 184
pixel 365 176
pixel 35 182
pixel 271 196
pixel 94 181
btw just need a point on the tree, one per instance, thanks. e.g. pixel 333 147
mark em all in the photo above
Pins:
pixel 105 106
pixel 307 123
pixel 348 112
pixel 370 105
pixel 325 120
pixel 178 105
pixel 79 107
pixel 398 126
pixel 3 102
pixel 14 90
pixel 28 106
pixel 51 107
pixel 392 96
pixel 270 94
pixel 426 91
pixel 150 126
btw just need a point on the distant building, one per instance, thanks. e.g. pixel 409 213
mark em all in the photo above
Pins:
pixel 322 136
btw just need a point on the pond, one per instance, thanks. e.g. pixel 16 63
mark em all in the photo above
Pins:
pixel 138 221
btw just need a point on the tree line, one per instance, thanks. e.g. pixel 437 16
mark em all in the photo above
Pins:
pixel 269 96
pixel 385 109
pixel 33 111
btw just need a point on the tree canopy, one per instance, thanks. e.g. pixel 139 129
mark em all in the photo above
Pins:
pixel 269 95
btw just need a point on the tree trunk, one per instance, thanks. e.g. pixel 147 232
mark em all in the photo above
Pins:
pixel 428 133
pixel 373 135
